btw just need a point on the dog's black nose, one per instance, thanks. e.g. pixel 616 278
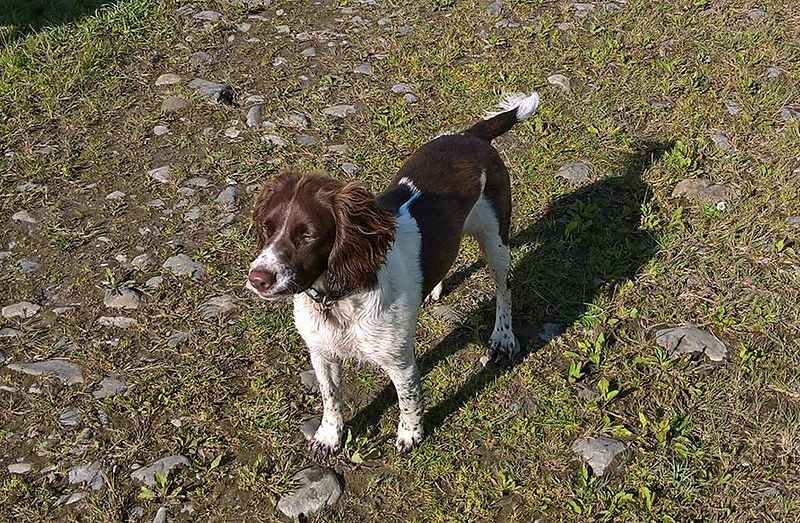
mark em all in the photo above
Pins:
pixel 261 280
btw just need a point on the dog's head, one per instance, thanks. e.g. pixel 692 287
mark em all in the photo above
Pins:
pixel 309 226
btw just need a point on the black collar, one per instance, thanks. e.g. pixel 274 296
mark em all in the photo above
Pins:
pixel 326 299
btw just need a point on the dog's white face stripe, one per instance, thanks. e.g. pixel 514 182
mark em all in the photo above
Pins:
pixel 268 260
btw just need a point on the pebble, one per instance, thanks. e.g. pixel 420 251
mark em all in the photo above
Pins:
pixel 168 79
pixel 791 220
pixel 143 262
pixel 88 473
pixel 773 72
pixel 495 8
pixel 19 468
pixel 349 168
pixel 340 111
pixel 183 265
pixel 161 174
pixel 110 387
pixel 274 139
pixel 120 322
pixel 69 417
pixel 309 52
pixel 721 141
pixel 732 107
pixel 208 16
pixel 198 181
pixel 600 453
pixel 173 104
pixel 688 339
pixel 703 190
pixel 364 68
pixel 122 299
pixel 217 306
pixel 317 488
pixel 756 14
pixel 560 81
pixel 254 116
pixel 300 119
pixel 338 149
pixel 232 132
pixel 308 427
pixel 8 332
pixel 176 339
pixel 401 88
pixel 68 373
pixel 160 130
pixel 153 283
pixel 166 465
pixel 227 197
pixel 410 98
pixel 27 266
pixel 23 309
pixel 790 112
pixel 304 139
pixel 200 58
pixel 220 93
pixel 161 515
pixel 574 173
pixel 70 499
pixel 244 26
pixel 23 217
pixel 192 214
pixel 404 30
pixel 116 195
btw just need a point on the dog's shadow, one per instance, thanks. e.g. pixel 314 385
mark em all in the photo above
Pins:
pixel 588 242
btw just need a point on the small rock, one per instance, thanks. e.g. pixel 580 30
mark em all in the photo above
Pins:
pixel 349 168
pixel 45 150
pixel 70 499
pixel 308 427
pixel 192 214
pixel 340 111
pixel 565 26
pixel 136 513
pixel 67 372
pixel 122 299
pixel 560 81
pixel 721 141
pixel 226 219
pixel 88 473
pixel 232 132
pixel 244 26
pixel 69 417
pixel 309 52
pixel 217 306
pixel 703 190
pixel 254 116
pixel 599 453
pixel 790 112
pixel 688 339
pixel 116 195
pixel 8 332
pixel 574 173
pixel 184 10
pixel 208 16
pixel 165 465
pixel 176 339
pixel 583 9
pixel 19 468
pixel 756 14
pixel 304 139
pixel 279 61
pixel 404 30
pixel 110 387
pixel 227 197
pixel 274 139
pixel 317 488
pixel 183 265
pixel 410 98
pixel 364 68
pixel 23 217
pixel 550 331
pixel 300 119
pixel 198 181
pixel 660 103
pixel 119 322
pixel 220 93
pixel 495 8
pixel 732 107
pixel 143 262
pixel 168 79
pixel 401 88
pixel 23 309
pixel 161 174
pixel 309 379
pixel 173 104
pixel 791 220
pixel 161 515
pixel 200 58
pixel 338 149
pixel 27 266
pixel 446 313
pixel 773 72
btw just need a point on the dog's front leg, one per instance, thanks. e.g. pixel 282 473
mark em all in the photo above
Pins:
pixel 328 438
pixel 406 379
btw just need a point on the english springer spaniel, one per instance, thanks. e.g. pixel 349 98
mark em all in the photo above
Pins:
pixel 359 265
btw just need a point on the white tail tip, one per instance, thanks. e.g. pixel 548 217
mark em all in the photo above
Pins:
pixel 525 104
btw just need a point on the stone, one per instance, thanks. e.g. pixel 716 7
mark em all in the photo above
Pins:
pixel 300 119
pixel 23 217
pixel 349 168
pixel 279 61
pixel 702 190
pixel 721 141
pixel 19 468
pixel 732 107
pixel 198 181
pixel 45 150
pixel 168 79
pixel 560 81
pixel 565 26
pixel 410 98
pixel 791 220
pixel 550 331
pixel 184 10
pixel 244 26
pixel 69 417
pixel 22 309
pixel 123 299
pixel 143 262
pixel 172 104
pixel 208 16
pixel 226 219
pixel 27 266
pixel 254 116
pixel 282 29
pixel 232 132
pixel 110 387
pixel 583 10
pixel 317 488
pixel 70 499
pixel 338 149
pixel 200 58
pixel 192 214
pixel 309 379
pixel 217 306
pixel 309 52
pixel 176 339
pixel 688 339
pixel 68 373
pixel 756 14
pixel 116 195
pixel 364 68
pixel 790 112
pixel 136 513
pixel 119 322
pixel 88 473
pixel 404 30
pixel 166 465
pixel 600 453
pixel 574 173
pixel 773 72
pixel 153 283
pixel 161 515
pixel 8 332
pixel 340 111
pixel 304 139
pixel 183 265
pixel 401 88
pixel 161 174
pixel 495 8
pixel 274 139
pixel 219 93
pixel 227 197
pixel 308 427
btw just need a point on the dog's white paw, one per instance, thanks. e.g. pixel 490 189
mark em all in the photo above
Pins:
pixel 435 294
pixel 504 346
pixel 326 442
pixel 407 437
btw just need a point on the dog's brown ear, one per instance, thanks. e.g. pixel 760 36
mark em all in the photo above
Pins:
pixel 263 202
pixel 364 234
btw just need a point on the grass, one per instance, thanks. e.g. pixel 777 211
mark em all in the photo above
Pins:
pixel 611 262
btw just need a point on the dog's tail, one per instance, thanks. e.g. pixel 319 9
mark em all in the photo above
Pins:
pixel 514 108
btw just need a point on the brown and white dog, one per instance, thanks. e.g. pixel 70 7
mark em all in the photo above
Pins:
pixel 359 265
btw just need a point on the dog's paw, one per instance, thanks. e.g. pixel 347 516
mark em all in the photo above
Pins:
pixel 407 438
pixel 326 442
pixel 435 295
pixel 504 348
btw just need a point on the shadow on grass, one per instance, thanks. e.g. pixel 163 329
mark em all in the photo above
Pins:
pixel 22 17
pixel 588 242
